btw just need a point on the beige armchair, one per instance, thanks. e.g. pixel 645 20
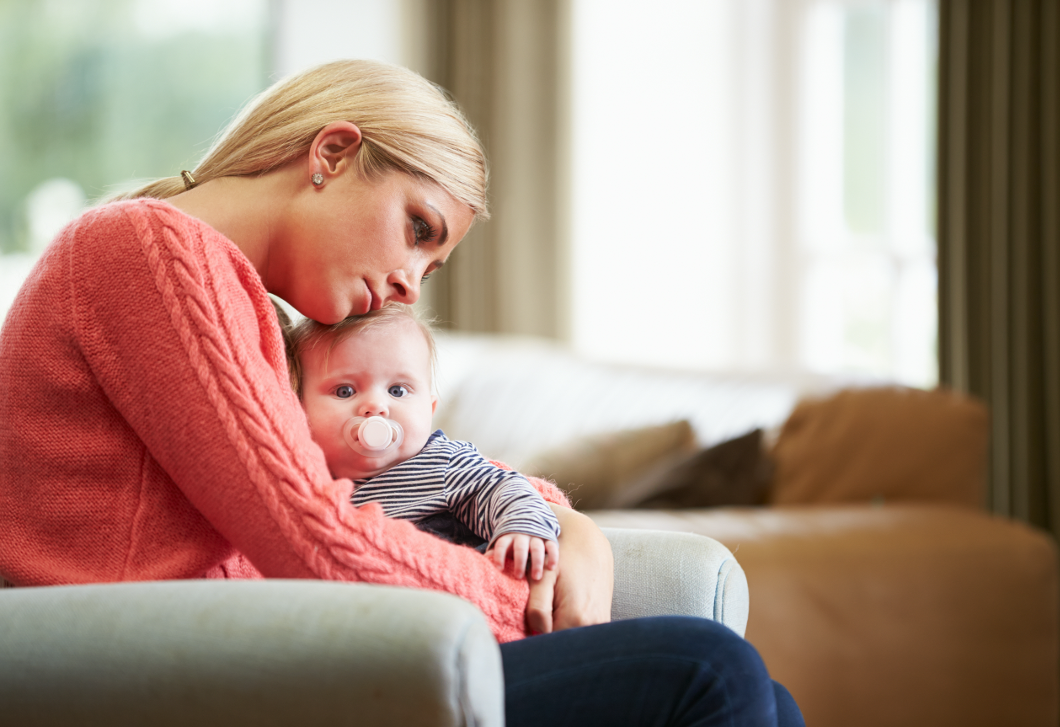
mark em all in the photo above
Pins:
pixel 309 653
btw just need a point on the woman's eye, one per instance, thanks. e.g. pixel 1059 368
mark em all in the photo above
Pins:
pixel 344 392
pixel 422 230
pixel 397 391
pixel 425 278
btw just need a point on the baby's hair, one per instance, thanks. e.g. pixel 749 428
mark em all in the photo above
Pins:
pixel 307 334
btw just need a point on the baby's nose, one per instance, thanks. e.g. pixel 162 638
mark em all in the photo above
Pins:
pixel 374 407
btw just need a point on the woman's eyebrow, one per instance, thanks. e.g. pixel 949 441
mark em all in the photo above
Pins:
pixel 445 226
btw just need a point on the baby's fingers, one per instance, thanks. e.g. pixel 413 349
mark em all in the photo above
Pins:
pixel 500 550
pixel 551 554
pixel 537 558
pixel 520 549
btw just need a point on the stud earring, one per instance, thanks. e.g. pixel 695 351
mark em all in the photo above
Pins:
pixel 318 179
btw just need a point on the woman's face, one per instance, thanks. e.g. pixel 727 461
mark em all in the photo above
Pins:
pixel 355 244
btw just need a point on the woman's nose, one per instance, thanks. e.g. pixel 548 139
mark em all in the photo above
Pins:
pixel 403 287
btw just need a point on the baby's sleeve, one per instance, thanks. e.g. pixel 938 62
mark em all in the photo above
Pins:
pixel 493 500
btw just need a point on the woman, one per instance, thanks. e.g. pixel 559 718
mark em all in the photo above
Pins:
pixel 148 431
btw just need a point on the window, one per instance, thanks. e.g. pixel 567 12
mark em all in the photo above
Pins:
pixel 96 94
pixel 753 185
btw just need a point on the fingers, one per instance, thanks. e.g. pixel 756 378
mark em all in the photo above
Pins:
pixel 520 550
pixel 537 558
pixel 539 607
pixel 551 554
pixel 500 550
pixel 525 551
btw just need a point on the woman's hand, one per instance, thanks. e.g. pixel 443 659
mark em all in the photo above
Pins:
pixel 579 592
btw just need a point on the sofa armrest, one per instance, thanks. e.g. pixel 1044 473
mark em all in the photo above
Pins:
pixel 245 652
pixel 666 573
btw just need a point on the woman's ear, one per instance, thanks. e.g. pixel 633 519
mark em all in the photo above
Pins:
pixel 333 149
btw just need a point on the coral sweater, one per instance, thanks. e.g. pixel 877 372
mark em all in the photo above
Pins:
pixel 148 430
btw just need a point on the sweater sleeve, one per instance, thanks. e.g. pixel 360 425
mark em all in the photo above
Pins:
pixel 180 334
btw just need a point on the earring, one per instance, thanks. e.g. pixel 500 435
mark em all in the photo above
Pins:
pixel 318 179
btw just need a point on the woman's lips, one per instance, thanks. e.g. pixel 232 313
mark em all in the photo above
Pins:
pixel 367 303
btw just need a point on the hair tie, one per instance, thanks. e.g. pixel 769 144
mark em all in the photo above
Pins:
pixel 189 181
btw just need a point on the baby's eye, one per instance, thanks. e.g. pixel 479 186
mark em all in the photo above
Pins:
pixel 344 392
pixel 397 391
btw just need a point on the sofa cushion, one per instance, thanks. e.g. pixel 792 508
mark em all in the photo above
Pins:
pixel 616 469
pixel 911 614
pixel 734 472
pixel 885 443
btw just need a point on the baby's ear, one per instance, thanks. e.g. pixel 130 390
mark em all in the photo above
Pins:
pixel 434 404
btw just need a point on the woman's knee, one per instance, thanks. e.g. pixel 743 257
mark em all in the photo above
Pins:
pixel 726 650
pixel 693 670
pixel 788 712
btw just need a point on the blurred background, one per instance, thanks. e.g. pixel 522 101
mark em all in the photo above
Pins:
pixel 763 168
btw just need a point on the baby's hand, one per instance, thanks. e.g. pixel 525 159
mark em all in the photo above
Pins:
pixel 543 554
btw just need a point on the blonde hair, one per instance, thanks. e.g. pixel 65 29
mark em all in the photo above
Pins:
pixel 407 124
pixel 307 333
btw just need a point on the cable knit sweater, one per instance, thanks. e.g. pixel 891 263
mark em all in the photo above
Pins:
pixel 148 430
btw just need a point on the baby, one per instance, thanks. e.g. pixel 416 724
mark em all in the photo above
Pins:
pixel 366 386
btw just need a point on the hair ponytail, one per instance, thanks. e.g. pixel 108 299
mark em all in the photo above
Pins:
pixel 407 124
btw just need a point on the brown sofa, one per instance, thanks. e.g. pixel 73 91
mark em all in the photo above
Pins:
pixel 905 614
pixel 881 591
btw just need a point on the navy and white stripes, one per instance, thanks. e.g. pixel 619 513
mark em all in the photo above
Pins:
pixel 452 476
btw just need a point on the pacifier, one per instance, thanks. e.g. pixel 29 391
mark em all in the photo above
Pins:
pixel 371 436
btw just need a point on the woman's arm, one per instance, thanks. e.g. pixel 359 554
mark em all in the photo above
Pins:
pixel 578 593
pixel 181 338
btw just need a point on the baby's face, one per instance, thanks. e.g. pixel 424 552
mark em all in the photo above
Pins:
pixel 382 371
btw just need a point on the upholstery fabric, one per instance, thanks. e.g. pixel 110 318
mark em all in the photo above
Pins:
pixel 245 652
pixel 614 469
pixel 894 443
pixel 734 472
pixel 912 614
pixel 516 397
pixel 676 574
pixel 303 652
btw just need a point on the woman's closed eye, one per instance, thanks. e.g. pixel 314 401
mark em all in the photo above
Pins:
pixel 397 391
pixel 344 391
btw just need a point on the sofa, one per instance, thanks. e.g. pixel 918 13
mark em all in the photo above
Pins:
pixel 876 600
pixel 281 652
pixel 881 590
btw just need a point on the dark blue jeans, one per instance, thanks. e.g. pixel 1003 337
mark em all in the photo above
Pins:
pixel 645 672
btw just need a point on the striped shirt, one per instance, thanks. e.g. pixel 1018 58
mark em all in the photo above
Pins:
pixel 452 476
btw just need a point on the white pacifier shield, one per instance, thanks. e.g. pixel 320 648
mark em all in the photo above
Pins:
pixel 372 436
pixel 375 433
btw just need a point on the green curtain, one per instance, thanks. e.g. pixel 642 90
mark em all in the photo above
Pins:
pixel 999 238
